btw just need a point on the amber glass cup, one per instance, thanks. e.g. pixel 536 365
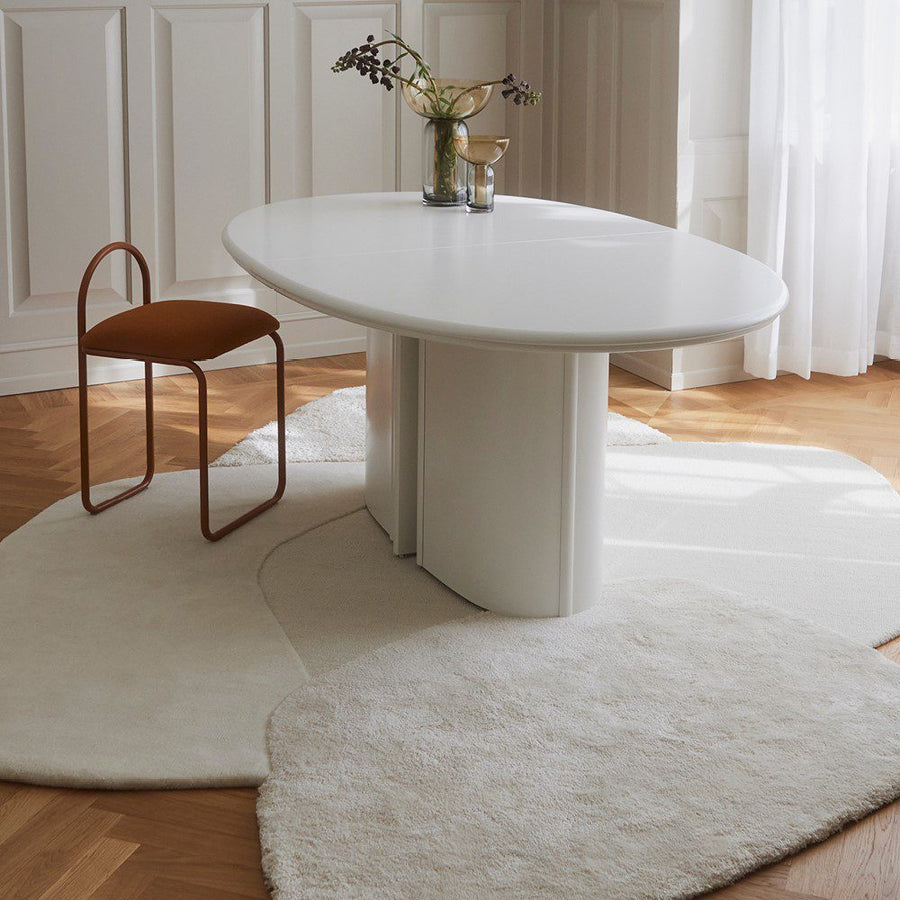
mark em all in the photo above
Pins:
pixel 481 152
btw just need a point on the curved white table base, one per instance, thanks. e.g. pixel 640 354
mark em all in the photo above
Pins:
pixel 511 480
pixel 488 365
pixel 497 458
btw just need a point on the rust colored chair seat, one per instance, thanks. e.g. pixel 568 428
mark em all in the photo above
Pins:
pixel 180 329
pixel 181 333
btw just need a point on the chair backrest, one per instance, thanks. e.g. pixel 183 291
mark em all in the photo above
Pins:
pixel 92 267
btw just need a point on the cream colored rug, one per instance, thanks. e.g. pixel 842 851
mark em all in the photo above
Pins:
pixel 135 654
pixel 333 428
pixel 339 593
pixel 809 531
pixel 668 742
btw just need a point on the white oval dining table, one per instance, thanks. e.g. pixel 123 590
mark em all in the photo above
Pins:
pixel 488 364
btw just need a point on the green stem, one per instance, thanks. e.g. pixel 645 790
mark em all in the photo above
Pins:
pixel 444 160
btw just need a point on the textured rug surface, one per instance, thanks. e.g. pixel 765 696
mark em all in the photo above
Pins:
pixel 333 428
pixel 663 744
pixel 330 429
pixel 134 653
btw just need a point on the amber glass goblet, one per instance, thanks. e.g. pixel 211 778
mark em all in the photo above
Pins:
pixel 481 152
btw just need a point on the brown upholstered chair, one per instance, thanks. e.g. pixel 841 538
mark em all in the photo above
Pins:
pixel 178 333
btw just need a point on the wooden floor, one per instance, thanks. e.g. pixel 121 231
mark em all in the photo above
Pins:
pixel 175 845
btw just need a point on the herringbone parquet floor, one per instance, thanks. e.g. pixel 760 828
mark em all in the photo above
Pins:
pixel 202 845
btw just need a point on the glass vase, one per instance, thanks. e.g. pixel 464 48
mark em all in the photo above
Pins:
pixel 444 103
pixel 444 182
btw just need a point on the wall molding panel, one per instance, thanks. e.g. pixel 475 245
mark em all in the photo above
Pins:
pixel 64 134
pixel 346 132
pixel 155 122
pixel 212 123
pixel 645 109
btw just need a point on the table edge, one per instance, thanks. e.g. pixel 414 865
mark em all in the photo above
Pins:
pixel 409 326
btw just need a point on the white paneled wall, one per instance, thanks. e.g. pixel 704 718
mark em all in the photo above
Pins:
pixel 611 99
pixel 51 60
pixel 156 121
pixel 211 136
pixel 346 130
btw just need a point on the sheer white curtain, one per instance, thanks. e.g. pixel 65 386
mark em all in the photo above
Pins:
pixel 824 181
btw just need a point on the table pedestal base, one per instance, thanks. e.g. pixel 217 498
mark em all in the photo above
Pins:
pixel 511 457
pixel 489 465
pixel 392 411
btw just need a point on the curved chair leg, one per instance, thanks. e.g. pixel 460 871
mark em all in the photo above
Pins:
pixel 85 444
pixel 204 451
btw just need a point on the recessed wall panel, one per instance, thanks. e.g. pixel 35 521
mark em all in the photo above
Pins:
pixel 64 95
pixel 579 82
pixel 212 133
pixel 346 129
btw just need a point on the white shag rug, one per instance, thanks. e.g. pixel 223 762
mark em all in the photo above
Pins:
pixel 663 744
pixel 330 429
pixel 333 429
pixel 135 654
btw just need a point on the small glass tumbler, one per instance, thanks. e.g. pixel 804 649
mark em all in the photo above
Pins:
pixel 480 151
pixel 480 188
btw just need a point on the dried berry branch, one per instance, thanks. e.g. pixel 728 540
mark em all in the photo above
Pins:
pixel 366 60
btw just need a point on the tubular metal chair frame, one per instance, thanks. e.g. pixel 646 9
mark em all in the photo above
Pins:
pixel 203 418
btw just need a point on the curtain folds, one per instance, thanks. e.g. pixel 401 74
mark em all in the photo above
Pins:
pixel 824 181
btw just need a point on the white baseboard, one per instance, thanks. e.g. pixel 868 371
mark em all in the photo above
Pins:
pixel 45 368
pixel 677 376
pixel 638 364
pixel 696 378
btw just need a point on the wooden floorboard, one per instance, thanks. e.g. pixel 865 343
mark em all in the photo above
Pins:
pixel 203 844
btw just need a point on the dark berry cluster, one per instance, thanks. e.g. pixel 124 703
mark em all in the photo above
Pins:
pixel 365 60
pixel 520 91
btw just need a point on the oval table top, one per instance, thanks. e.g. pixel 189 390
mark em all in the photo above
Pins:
pixel 534 274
